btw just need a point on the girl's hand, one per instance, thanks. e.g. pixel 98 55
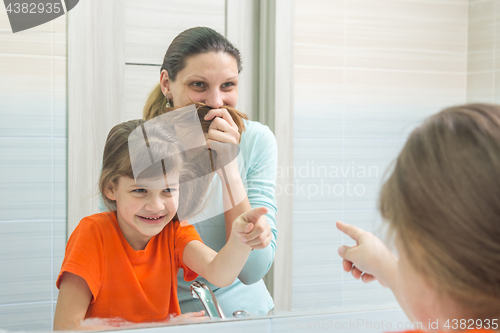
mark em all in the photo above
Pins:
pixel 189 317
pixel 370 259
pixel 252 228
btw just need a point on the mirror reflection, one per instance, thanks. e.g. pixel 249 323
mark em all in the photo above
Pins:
pixel 365 74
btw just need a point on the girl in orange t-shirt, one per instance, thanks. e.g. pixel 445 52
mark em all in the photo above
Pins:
pixel 122 265
pixel 442 203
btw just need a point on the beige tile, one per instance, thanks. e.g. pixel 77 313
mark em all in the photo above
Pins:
pixel 497 87
pixel 481 26
pixel 321 85
pixel 409 35
pixel 480 87
pixel 481 61
pixel 404 88
pixel 151 26
pixel 319 33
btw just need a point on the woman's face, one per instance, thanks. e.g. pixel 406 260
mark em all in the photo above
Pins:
pixel 210 78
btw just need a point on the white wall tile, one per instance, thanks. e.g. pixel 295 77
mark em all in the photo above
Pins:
pixel 26 317
pixel 26 260
pixel 48 39
pixel 26 179
pixel 315 243
pixel 385 67
pixel 139 81
pixel 25 96
pixel 59 96
pixel 359 296
pixel 60 166
pixel 313 120
pixel 59 246
pixel 322 297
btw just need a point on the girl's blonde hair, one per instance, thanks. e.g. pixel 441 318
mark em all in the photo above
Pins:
pixel 442 201
pixel 161 141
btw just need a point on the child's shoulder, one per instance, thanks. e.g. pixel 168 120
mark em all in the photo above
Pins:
pixel 99 221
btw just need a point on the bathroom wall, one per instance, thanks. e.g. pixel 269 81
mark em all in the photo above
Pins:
pixel 483 70
pixel 33 155
pixel 366 72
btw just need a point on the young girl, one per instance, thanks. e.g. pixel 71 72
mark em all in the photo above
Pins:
pixel 442 205
pixel 124 263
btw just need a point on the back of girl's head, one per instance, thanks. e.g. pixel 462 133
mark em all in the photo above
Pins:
pixel 191 42
pixel 161 140
pixel 442 201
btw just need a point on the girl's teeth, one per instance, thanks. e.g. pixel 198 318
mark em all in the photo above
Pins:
pixel 152 218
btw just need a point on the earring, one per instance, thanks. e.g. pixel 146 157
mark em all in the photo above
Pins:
pixel 168 102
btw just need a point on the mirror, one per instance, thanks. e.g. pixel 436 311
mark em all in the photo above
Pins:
pixel 366 72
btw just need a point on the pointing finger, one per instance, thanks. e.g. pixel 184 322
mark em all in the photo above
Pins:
pixel 350 230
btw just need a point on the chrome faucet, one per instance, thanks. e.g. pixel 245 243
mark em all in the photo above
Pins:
pixel 206 296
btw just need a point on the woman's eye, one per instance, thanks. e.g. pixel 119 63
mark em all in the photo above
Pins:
pixel 198 85
pixel 227 85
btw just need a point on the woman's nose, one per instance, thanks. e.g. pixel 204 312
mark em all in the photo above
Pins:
pixel 215 99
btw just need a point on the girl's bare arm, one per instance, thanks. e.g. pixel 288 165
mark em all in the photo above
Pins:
pixel 221 269
pixel 72 302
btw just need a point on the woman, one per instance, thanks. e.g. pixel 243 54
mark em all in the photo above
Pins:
pixel 201 65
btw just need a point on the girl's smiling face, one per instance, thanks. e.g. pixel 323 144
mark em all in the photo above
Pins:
pixel 144 209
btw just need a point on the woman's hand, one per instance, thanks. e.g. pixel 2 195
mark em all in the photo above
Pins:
pixel 223 138
pixel 223 127
pixel 370 259
pixel 252 228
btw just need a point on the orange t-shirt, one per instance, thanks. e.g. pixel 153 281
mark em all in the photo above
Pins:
pixel 138 286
